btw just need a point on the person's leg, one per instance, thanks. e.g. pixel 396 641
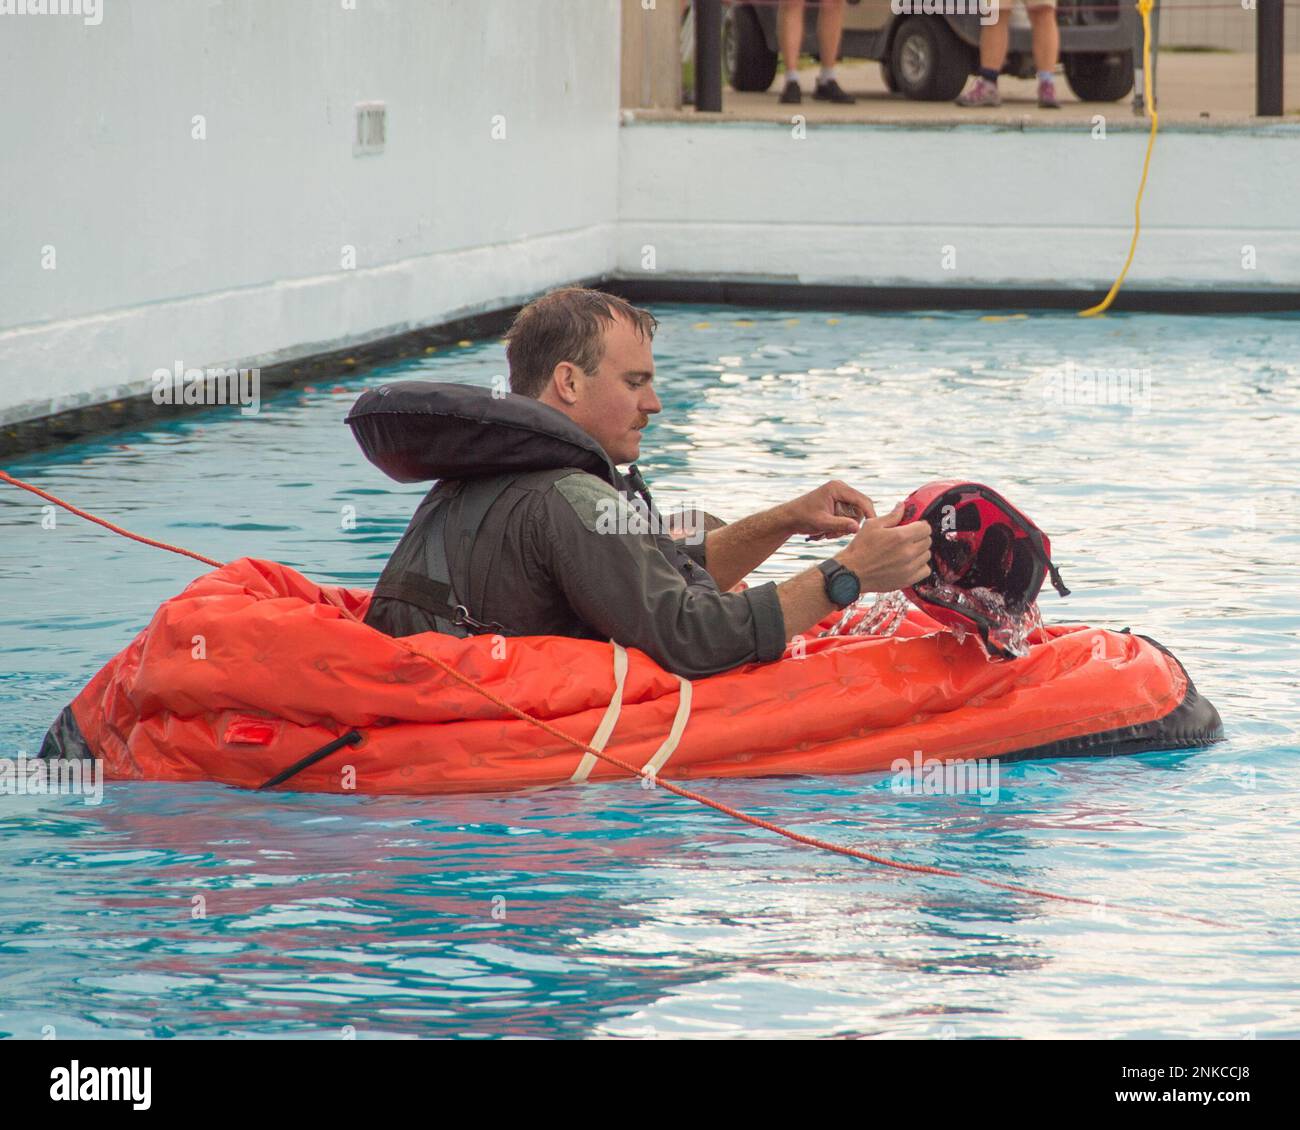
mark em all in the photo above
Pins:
pixel 789 18
pixel 995 38
pixel 830 31
pixel 789 30
pixel 1047 38
pixel 1047 47
pixel 830 28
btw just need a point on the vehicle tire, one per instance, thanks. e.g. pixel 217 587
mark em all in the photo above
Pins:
pixel 747 61
pixel 887 73
pixel 929 63
pixel 1100 78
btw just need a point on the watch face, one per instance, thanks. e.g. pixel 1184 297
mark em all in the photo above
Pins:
pixel 844 588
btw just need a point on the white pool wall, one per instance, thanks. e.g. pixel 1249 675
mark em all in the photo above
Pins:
pixel 1052 209
pixel 508 169
pixel 229 251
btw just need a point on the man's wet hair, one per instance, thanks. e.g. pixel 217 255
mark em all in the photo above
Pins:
pixel 568 324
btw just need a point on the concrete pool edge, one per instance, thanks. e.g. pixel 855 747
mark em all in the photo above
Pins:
pixel 1010 118
pixel 135 406
pixel 866 298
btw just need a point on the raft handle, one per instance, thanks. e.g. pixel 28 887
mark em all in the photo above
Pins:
pixel 352 737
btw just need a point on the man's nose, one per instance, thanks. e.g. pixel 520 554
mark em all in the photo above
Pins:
pixel 652 405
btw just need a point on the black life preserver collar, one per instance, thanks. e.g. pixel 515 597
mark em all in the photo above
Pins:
pixel 418 431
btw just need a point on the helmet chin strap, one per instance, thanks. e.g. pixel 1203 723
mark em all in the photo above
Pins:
pixel 1036 544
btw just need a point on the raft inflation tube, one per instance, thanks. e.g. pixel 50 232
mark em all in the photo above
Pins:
pixel 288 677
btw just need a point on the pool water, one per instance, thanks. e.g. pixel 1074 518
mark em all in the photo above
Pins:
pixel 198 910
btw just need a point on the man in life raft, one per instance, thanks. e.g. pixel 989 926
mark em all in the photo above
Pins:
pixel 533 530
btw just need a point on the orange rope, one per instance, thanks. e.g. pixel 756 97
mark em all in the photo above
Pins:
pixel 677 790
pixel 106 524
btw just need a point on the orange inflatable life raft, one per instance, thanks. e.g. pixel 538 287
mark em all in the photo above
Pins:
pixel 256 676
pixel 286 668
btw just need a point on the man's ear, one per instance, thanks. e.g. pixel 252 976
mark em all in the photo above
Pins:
pixel 564 383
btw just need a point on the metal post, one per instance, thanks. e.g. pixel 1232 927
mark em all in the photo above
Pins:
pixel 708 55
pixel 1268 58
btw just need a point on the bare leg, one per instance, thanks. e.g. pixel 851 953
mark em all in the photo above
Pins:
pixel 790 32
pixel 830 26
pixel 1047 38
pixel 995 38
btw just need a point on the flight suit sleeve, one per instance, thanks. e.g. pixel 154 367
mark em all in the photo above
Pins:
pixel 695 550
pixel 618 580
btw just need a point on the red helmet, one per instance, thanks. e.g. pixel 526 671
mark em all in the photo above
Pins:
pixel 978 540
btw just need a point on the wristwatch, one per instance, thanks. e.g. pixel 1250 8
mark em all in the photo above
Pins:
pixel 842 585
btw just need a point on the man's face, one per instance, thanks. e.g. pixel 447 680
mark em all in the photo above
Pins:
pixel 616 402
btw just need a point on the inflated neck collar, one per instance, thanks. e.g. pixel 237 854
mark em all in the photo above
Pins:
pixel 417 431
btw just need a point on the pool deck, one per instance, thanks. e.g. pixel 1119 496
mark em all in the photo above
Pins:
pixel 1198 89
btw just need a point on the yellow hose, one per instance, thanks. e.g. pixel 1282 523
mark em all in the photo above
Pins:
pixel 1144 9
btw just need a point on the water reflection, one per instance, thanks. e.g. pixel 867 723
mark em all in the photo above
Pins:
pixel 613 911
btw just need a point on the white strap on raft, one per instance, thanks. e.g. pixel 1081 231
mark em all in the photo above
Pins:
pixel 665 751
pixel 610 720
pixel 607 724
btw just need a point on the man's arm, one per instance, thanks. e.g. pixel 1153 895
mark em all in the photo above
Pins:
pixel 884 555
pixel 736 550
pixel 620 583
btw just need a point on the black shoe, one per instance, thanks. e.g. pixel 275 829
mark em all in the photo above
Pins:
pixel 791 94
pixel 831 92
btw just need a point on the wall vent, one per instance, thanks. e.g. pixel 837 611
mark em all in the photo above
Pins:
pixel 372 129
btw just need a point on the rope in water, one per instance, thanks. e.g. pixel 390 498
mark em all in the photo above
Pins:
pixel 107 524
pixel 644 774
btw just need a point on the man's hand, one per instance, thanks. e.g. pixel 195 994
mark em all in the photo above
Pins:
pixel 887 556
pixel 833 510
pixel 884 555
